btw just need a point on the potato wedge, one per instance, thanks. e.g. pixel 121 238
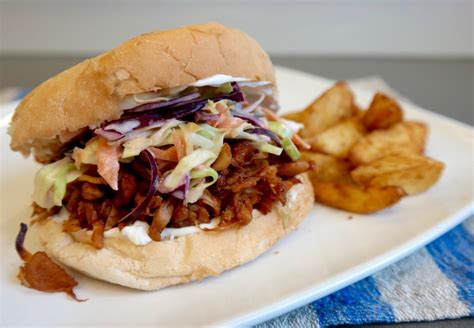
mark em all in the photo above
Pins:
pixel 413 173
pixel 331 107
pixel 294 116
pixel 357 111
pixel 383 112
pixel 355 198
pixel 338 140
pixel 401 138
pixel 327 168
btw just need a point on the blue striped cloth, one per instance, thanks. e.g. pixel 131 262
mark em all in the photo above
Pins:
pixel 436 282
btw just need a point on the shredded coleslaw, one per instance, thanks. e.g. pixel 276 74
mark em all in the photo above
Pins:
pixel 193 145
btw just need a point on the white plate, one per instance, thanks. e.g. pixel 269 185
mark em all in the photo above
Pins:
pixel 327 252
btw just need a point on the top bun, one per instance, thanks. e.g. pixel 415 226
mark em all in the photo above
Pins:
pixel 89 93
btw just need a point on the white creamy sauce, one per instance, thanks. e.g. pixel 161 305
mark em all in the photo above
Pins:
pixel 124 127
pixel 254 84
pixel 137 233
pixel 218 79
pixel 293 194
pixel 113 233
pixel 256 213
pixel 214 80
pixel 172 233
pixel 62 216
pixel 293 125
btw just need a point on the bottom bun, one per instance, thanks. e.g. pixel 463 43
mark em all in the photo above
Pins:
pixel 184 259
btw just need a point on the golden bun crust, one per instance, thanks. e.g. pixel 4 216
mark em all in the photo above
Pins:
pixel 187 258
pixel 90 92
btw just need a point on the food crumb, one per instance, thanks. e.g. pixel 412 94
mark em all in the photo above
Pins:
pixel 276 252
pixel 349 217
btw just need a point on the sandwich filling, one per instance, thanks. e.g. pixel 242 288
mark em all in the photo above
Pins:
pixel 203 156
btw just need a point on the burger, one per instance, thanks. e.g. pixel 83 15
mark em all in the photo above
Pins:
pixel 163 160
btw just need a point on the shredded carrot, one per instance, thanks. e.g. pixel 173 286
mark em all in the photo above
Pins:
pixel 221 107
pixel 299 142
pixel 227 121
pixel 170 154
pixel 179 144
pixel 107 162
pixel 270 115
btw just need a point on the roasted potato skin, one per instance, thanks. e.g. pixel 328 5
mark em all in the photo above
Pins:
pixel 401 138
pixel 336 104
pixel 413 173
pixel 339 139
pixel 327 168
pixel 294 116
pixel 383 112
pixel 355 198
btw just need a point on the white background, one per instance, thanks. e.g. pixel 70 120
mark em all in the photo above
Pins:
pixel 386 28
